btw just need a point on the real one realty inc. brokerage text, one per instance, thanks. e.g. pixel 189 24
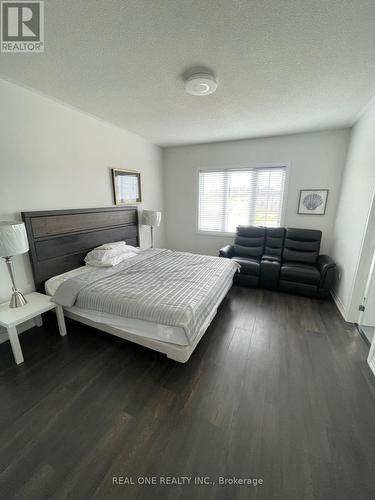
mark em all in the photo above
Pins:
pixel 186 481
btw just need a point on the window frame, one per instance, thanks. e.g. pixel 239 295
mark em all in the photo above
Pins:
pixel 242 166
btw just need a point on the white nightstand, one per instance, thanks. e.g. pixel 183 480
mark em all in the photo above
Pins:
pixel 37 303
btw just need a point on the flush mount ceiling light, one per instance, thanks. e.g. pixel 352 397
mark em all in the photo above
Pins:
pixel 200 84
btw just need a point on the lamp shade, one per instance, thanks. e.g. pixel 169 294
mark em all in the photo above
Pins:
pixel 151 218
pixel 13 238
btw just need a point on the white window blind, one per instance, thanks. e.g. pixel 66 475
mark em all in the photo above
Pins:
pixel 230 197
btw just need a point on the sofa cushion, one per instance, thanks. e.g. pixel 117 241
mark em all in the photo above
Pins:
pixel 273 258
pixel 274 241
pixel 248 251
pixel 302 245
pixel 251 231
pixel 249 241
pixel 246 280
pixel 248 266
pixel 269 272
pixel 300 288
pixel 300 273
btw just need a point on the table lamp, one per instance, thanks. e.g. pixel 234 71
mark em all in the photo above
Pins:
pixel 13 241
pixel 152 219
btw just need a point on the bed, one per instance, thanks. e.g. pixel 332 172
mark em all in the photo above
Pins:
pixel 159 299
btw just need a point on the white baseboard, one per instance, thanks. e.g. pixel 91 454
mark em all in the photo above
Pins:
pixel 339 304
pixel 371 363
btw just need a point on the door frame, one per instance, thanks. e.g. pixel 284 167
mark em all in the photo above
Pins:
pixel 371 276
pixel 371 357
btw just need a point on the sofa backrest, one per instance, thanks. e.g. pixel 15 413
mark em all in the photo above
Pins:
pixel 274 241
pixel 293 245
pixel 302 245
pixel 249 241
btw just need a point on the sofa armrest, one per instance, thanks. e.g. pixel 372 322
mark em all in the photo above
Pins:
pixel 326 266
pixel 226 251
pixel 324 263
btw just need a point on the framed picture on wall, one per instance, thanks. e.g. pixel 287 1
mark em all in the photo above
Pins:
pixel 126 186
pixel 312 201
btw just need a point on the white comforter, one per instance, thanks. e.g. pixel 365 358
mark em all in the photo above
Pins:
pixel 161 286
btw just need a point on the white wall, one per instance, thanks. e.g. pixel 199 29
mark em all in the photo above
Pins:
pixel 55 157
pixel 352 249
pixel 316 161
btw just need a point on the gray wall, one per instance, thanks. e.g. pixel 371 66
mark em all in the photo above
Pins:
pixel 353 235
pixel 55 157
pixel 316 160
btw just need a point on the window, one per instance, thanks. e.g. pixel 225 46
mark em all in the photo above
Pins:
pixel 247 196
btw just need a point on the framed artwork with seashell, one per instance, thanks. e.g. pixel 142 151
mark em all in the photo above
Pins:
pixel 312 201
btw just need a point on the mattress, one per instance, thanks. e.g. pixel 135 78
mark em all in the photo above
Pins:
pixel 160 286
pixel 165 333
pixel 170 295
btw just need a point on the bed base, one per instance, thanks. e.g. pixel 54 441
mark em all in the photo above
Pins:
pixel 59 241
pixel 173 351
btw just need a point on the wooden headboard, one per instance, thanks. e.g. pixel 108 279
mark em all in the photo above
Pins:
pixel 60 239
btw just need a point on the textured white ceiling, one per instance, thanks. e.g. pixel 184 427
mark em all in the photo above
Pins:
pixel 283 66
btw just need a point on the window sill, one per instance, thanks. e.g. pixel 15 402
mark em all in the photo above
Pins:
pixel 215 233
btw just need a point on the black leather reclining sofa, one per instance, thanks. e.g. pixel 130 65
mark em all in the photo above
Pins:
pixel 282 259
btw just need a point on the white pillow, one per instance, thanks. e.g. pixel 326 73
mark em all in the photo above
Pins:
pixel 101 257
pixel 111 246
pixel 129 248
pixel 101 254
pixel 108 261
pixel 118 247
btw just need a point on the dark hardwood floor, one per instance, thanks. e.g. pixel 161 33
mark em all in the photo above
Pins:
pixel 278 389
